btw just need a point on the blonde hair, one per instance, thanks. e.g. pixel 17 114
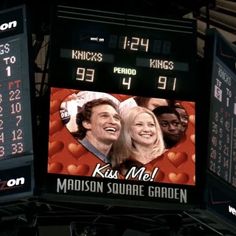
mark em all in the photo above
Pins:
pixel 124 148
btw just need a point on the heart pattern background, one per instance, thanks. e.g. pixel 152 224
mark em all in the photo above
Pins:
pixel 66 156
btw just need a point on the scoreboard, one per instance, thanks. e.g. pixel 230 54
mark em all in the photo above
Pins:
pixel 97 54
pixel 16 139
pixel 113 53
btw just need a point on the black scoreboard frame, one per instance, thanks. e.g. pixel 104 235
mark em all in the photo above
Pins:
pixel 65 76
pixel 17 94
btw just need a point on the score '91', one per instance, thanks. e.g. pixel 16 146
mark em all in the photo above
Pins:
pixel 166 83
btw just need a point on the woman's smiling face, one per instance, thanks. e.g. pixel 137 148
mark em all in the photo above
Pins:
pixel 143 130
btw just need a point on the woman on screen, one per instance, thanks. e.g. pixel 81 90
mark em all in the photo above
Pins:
pixel 140 141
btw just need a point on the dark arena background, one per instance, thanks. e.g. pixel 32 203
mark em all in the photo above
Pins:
pixel 55 56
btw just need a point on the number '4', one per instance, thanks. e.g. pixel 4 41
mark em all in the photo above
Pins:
pixel 126 82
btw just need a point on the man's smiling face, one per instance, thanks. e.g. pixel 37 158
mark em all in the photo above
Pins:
pixel 104 124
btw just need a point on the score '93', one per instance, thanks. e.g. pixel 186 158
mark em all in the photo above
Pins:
pixel 85 74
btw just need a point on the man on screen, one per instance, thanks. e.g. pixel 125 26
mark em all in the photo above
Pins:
pixel 99 126
pixel 170 123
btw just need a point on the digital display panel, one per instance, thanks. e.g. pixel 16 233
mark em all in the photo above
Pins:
pixel 142 68
pixel 222 136
pixel 16 140
pixel 221 178
pixel 124 55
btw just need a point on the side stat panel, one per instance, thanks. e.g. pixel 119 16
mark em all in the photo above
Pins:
pixel 16 140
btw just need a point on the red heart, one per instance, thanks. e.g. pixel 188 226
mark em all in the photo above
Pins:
pixel 55 167
pixel 179 178
pixel 192 119
pixel 78 169
pixel 76 150
pixel 54 147
pixel 192 138
pixel 177 158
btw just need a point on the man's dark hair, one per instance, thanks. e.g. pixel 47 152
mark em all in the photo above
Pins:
pixel 85 114
pixel 165 109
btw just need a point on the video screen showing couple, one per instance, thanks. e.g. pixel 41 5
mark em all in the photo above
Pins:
pixel 123 137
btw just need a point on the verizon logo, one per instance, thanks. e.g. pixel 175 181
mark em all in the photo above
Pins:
pixel 11 183
pixel 8 26
pixel 232 210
